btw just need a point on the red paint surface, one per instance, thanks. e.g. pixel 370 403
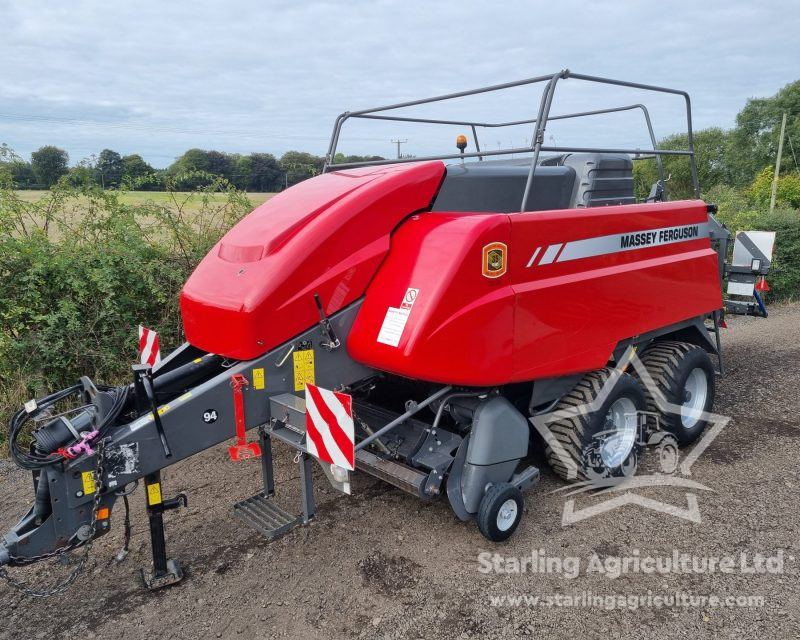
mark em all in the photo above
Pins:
pixel 328 235
pixel 332 235
pixel 534 322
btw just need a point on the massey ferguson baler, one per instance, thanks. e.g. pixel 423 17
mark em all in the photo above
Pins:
pixel 407 320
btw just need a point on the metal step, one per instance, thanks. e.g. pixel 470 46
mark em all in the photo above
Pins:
pixel 399 475
pixel 261 513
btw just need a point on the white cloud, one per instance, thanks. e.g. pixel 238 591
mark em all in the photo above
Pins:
pixel 243 76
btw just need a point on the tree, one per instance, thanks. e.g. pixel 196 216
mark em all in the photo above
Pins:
pixel 192 160
pixel 710 146
pixel 108 170
pixel 220 164
pixel 298 166
pixel 787 195
pixel 753 143
pixel 241 170
pixel 264 172
pixel 49 163
pixel 134 168
pixel 15 169
pixel 191 170
pixel 340 158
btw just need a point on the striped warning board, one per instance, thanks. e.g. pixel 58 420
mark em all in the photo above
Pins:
pixel 330 435
pixel 149 350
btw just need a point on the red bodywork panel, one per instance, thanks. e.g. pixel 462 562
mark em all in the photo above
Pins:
pixel 328 235
pixel 571 291
pixel 551 318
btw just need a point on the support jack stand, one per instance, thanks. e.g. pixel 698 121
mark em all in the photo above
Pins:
pixel 165 571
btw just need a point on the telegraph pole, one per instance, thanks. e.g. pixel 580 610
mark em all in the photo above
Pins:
pixel 398 142
pixel 777 166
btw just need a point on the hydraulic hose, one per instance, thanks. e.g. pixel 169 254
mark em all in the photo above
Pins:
pixel 34 460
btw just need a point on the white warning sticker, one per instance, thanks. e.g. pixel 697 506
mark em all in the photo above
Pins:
pixel 396 318
pixel 393 325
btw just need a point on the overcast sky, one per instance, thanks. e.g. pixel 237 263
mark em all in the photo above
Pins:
pixel 156 78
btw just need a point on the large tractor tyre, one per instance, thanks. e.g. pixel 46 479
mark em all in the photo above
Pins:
pixel 602 440
pixel 500 511
pixel 682 389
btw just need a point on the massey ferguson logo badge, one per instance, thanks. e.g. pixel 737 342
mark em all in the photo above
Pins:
pixel 660 236
pixel 494 260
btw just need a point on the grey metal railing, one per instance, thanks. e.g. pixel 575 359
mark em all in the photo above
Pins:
pixel 540 121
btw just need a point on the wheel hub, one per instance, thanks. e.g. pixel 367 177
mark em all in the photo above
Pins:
pixel 507 514
pixel 620 433
pixel 695 392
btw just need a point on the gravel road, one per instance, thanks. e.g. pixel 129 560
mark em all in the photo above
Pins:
pixel 380 564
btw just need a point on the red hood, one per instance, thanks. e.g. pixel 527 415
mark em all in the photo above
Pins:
pixel 328 235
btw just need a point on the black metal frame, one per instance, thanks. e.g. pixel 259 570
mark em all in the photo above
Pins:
pixel 541 120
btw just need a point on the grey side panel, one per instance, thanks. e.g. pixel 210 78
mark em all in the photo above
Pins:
pixel 692 330
pixel 454 493
pixel 498 440
pixel 550 389
pixel 475 480
pixel 499 433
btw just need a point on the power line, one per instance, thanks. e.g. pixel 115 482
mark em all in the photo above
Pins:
pixel 162 129
pixel 398 142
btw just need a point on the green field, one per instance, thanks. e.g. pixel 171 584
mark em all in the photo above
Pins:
pixel 191 199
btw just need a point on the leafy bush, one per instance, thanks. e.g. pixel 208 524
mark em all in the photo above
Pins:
pixel 738 213
pixel 784 274
pixel 79 270
pixel 786 195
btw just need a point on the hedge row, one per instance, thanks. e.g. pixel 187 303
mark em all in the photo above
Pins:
pixel 79 270
pixel 739 213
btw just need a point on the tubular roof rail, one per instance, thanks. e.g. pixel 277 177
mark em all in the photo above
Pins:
pixel 540 121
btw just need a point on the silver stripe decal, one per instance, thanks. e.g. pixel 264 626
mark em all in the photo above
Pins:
pixel 550 254
pixel 604 245
pixel 533 257
pixel 629 241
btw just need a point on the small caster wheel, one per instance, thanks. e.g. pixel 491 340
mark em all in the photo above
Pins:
pixel 500 511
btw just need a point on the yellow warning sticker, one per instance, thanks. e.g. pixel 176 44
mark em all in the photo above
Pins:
pixel 88 482
pixel 161 411
pixel 154 493
pixel 303 369
pixel 258 378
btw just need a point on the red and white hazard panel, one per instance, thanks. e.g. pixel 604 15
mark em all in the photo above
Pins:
pixel 330 434
pixel 149 351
